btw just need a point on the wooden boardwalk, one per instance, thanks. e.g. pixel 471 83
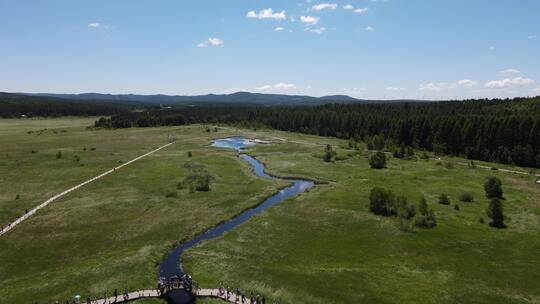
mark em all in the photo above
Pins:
pixel 10 226
pixel 154 293
pixel 132 296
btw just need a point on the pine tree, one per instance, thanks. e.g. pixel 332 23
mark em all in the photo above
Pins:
pixel 495 213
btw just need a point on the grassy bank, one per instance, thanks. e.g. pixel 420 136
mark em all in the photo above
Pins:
pixel 325 247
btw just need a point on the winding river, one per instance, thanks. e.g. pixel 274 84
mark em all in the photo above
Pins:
pixel 172 264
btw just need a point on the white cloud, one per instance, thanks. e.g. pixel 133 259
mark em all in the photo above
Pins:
pixel 348 7
pixel 267 14
pixel 531 37
pixel 324 6
pixel 97 25
pixel 508 83
pixel 278 87
pixel 309 20
pixel 369 28
pixel 509 72
pixel 491 48
pixel 394 89
pixel 279 29
pixel 436 87
pixel 537 89
pixel 316 30
pixel 467 83
pixel 361 10
pixel 211 42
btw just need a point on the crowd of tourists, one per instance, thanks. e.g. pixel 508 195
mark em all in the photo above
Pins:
pixel 240 296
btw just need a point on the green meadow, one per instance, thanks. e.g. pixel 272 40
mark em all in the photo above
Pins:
pixel 325 247
pixel 114 232
pixel 322 246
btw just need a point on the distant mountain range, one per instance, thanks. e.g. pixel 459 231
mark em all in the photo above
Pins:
pixel 240 97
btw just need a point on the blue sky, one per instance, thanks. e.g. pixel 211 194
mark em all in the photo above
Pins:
pixel 364 48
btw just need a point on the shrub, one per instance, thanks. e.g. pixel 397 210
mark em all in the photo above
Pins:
pixel 196 181
pixel 423 206
pixel 404 209
pixel 378 160
pixel 381 202
pixel 456 207
pixel 59 154
pixel 481 220
pixel 34 151
pixel 449 165
pixel 189 154
pixel 466 197
pixel 17 197
pixel 493 187
pixel 329 153
pixel 495 213
pixel 92 149
pixel 424 155
pixel 426 221
pixel 77 158
pixel 444 200
pixel 171 195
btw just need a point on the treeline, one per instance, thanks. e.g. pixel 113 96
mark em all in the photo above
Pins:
pixel 504 131
pixel 16 105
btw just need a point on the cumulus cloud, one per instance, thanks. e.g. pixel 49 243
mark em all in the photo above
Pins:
pixel 348 7
pixel 309 20
pixel 369 28
pixel 211 42
pixel 279 29
pixel 509 83
pixel 509 72
pixel 467 83
pixel 267 14
pixel 278 87
pixel 361 10
pixel 531 37
pixel 324 6
pixel 394 89
pixel 436 87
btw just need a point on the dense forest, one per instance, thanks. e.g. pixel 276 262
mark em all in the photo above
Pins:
pixel 505 131
pixel 16 105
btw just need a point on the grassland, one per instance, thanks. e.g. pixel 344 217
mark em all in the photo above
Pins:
pixel 114 232
pixel 325 247
pixel 320 247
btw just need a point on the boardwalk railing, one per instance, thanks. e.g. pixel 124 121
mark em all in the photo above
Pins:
pixel 230 297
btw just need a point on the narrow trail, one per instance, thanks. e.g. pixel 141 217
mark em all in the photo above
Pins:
pixel 18 221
